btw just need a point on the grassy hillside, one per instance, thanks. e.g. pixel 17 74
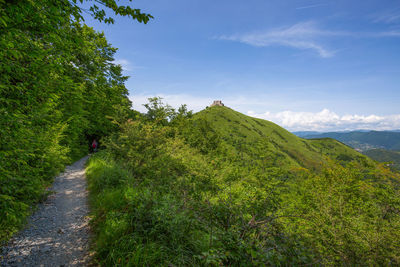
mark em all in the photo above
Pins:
pixel 221 188
pixel 244 133
pixel 363 140
pixel 383 155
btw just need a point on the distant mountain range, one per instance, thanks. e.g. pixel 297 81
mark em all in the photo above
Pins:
pixel 382 146
pixel 360 140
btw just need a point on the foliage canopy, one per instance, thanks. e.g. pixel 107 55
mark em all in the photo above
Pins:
pixel 58 89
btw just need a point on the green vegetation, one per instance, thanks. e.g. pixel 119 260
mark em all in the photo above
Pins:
pixel 172 187
pixel 58 90
pixel 382 155
pixel 221 188
pixel 259 138
pixel 363 141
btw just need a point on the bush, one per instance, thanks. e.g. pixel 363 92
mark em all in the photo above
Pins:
pixel 159 198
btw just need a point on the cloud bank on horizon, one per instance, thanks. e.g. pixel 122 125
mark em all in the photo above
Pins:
pixel 323 121
pixel 326 120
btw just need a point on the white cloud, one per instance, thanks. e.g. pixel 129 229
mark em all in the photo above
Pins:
pixel 126 64
pixel 389 34
pixel 327 120
pixel 388 16
pixel 304 36
pixel 310 6
pixel 197 103
pixel 193 102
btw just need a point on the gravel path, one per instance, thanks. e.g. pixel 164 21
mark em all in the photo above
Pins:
pixel 57 233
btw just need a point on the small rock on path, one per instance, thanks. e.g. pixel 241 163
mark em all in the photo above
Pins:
pixel 57 234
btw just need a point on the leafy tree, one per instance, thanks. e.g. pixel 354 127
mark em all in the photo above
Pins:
pixel 159 112
pixel 100 14
pixel 58 89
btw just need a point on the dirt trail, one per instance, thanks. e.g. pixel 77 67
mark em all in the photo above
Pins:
pixel 57 234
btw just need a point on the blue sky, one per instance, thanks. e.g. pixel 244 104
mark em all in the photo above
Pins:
pixel 306 65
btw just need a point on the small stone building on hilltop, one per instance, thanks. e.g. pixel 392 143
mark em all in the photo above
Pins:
pixel 217 103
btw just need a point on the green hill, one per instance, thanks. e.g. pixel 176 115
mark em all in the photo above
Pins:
pixel 383 155
pixel 244 133
pixel 223 189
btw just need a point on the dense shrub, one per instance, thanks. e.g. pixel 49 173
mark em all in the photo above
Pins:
pixel 159 199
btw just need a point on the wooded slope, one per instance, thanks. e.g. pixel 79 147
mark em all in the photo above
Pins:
pixel 59 89
pixel 219 188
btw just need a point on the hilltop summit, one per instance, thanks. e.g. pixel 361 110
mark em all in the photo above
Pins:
pixel 217 103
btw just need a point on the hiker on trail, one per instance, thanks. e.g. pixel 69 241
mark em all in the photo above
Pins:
pixel 94 145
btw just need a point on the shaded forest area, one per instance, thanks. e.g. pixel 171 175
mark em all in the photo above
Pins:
pixel 58 90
